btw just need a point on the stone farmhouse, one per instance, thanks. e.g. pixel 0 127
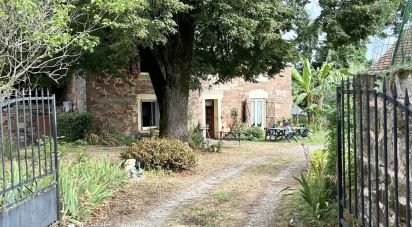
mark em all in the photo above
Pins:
pixel 128 105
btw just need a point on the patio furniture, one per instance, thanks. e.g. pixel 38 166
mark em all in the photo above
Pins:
pixel 230 136
pixel 279 133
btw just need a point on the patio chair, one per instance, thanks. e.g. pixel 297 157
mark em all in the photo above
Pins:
pixel 305 133
pixel 290 134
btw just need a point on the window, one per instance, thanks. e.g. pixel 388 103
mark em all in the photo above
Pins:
pixel 256 113
pixel 150 114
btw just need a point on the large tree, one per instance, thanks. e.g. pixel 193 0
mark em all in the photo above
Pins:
pixel 225 38
pixel 181 41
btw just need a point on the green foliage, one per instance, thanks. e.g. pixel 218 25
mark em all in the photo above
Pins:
pixel 312 86
pixel 46 51
pixel 168 154
pixel 108 138
pixel 332 143
pixel 234 114
pixel 196 138
pixel 222 196
pixel 251 133
pixel 348 22
pixel 74 126
pixel 315 188
pixel 255 132
pixel 85 185
pixel 15 194
pixel 252 42
pixel 126 24
pixel 215 147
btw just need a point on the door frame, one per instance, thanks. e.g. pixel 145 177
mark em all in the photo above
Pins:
pixel 217 103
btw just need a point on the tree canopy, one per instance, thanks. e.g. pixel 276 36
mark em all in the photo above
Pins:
pixel 178 41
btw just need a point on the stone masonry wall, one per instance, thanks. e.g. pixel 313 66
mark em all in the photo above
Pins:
pixel 113 101
pixel 76 93
pixel 402 80
pixel 236 94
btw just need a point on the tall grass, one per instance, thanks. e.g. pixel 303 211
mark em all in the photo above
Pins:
pixel 316 190
pixel 85 185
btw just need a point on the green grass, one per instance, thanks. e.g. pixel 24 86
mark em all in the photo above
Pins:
pixel 316 138
pixel 222 196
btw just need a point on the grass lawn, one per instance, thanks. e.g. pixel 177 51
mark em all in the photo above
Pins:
pixel 316 138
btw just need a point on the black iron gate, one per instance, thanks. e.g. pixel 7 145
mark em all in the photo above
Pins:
pixel 29 160
pixel 373 154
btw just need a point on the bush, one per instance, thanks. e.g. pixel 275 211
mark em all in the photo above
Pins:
pixel 251 133
pixel 110 139
pixel 215 147
pixel 196 139
pixel 169 154
pixel 256 132
pixel 74 125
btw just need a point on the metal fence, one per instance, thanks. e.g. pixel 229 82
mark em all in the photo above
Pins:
pixel 373 154
pixel 29 160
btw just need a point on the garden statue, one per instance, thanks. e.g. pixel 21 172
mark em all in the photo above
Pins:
pixel 130 167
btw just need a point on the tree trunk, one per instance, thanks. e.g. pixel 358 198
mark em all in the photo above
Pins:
pixel 310 118
pixel 169 68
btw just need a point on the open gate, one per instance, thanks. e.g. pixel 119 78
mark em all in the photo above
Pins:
pixel 373 155
pixel 29 176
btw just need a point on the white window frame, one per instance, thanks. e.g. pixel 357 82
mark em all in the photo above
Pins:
pixel 157 114
pixel 254 110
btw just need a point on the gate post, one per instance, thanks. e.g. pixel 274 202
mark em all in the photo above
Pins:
pixel 56 156
pixel 339 154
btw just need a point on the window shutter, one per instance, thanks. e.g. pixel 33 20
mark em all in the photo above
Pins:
pixel 270 113
pixel 246 118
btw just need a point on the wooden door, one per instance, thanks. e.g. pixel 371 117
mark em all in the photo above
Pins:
pixel 210 117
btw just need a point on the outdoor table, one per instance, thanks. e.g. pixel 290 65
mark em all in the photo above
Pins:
pixel 277 133
pixel 280 133
pixel 298 130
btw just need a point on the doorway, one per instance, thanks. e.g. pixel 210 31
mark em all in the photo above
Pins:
pixel 210 116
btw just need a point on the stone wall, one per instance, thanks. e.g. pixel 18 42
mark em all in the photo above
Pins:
pixel 402 80
pixel 114 101
pixel 237 94
pixel 76 93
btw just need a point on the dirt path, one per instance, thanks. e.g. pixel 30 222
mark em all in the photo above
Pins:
pixel 264 212
pixel 161 213
pixel 252 176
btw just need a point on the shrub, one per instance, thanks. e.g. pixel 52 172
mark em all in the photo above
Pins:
pixel 74 125
pixel 253 132
pixel 169 154
pixel 107 138
pixel 215 147
pixel 256 132
pixel 196 139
